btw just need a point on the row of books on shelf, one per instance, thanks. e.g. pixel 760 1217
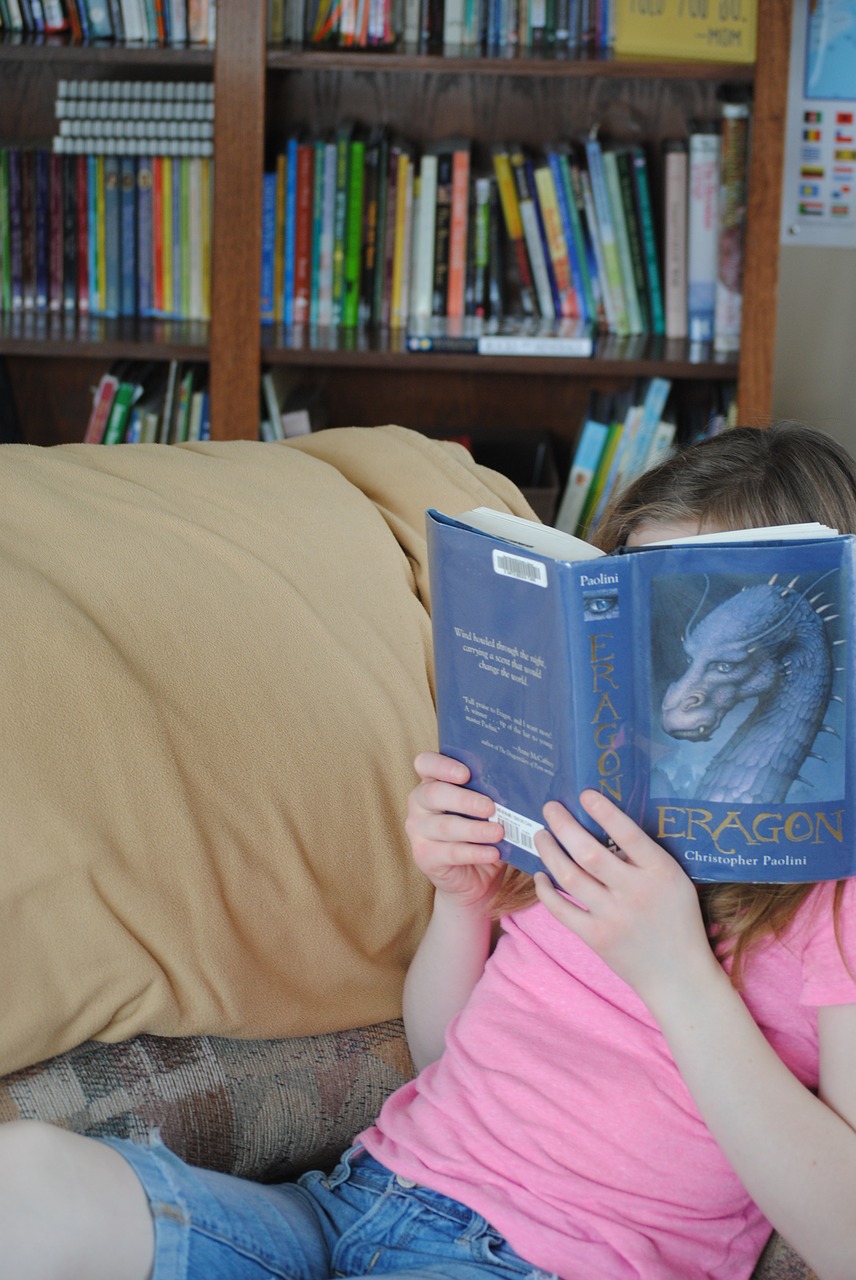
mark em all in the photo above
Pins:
pixel 165 22
pixel 158 402
pixel 105 234
pixel 475 26
pixel 627 432
pixel 361 228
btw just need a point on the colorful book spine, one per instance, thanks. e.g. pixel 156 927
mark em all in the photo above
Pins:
pixel 423 286
pixel 303 232
pixel 83 299
pixel 532 234
pixel 267 278
pixel 587 455
pixel 56 232
pixel 442 223
pixel 615 301
pixel 145 237
pixel 622 240
pixel 317 229
pixel 290 230
pixel 633 231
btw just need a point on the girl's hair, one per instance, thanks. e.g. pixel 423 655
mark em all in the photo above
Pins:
pixel 744 478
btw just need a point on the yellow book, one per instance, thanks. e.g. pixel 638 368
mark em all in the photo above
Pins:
pixel 396 307
pixel 169 300
pixel 205 223
pixel 712 32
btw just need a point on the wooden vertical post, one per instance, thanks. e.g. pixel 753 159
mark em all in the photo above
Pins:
pixel 239 117
pixel 766 166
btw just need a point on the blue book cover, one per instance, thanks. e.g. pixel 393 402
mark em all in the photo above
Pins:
pixel 128 237
pixel 145 237
pixel 702 686
pixel 112 234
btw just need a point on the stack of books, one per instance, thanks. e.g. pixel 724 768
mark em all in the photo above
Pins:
pixel 114 220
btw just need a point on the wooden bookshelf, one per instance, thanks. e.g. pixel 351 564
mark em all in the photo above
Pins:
pixel 260 92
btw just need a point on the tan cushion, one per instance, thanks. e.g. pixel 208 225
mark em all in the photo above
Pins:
pixel 215 673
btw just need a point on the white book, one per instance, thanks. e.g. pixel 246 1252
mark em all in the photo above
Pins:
pixel 423 248
pixel 702 234
pixel 675 240
pixel 453 22
pixel 178 23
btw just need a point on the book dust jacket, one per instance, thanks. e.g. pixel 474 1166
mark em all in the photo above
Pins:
pixel 704 687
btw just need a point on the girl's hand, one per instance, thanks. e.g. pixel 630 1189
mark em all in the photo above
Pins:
pixel 453 842
pixel 639 911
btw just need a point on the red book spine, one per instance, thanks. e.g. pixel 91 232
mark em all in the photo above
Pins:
pixel 458 232
pixel 303 232
pixel 157 234
pixel 82 234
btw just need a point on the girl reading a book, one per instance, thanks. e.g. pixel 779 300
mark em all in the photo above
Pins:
pixel 627 1077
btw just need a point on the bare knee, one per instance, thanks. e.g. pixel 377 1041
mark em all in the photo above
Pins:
pixel 30 1151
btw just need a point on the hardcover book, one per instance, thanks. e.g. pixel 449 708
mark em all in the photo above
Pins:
pixel 702 685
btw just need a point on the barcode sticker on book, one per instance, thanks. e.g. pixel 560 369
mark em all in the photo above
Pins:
pixel 519 830
pixel 511 566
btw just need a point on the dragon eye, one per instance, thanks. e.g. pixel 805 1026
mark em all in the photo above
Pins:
pixel 724 667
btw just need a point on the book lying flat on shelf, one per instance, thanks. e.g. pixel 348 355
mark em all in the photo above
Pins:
pixel 703 685
pixel 509 336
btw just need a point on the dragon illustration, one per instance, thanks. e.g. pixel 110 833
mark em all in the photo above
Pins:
pixel 768 643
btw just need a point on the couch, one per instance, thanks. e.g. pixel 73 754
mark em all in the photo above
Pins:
pixel 216 673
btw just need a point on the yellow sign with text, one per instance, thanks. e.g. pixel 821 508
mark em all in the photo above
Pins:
pixel 710 30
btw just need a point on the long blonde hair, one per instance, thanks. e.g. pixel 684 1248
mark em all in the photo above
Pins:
pixel 743 478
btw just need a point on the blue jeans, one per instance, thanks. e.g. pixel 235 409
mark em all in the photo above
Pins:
pixel 360 1220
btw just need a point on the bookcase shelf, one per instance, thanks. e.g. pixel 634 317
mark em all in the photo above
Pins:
pixel 260 92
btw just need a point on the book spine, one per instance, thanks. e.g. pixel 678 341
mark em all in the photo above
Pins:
pixel 112 235
pixel 279 239
pixel 622 240
pixel 317 229
pixel 5 234
pixel 98 13
pixel 568 185
pixel 69 233
pixel 303 232
pixel 166 220
pixel 458 231
pixel 401 247
pixel 634 238
pixel 556 240
pixel 266 287
pixel 16 240
pixel 616 304
pixel 732 218
pixel 28 227
pixel 702 233
pixel 343 141
pixel 55 233
pixel 532 235
pixel 514 229
pixel 354 233
pixel 102 402
pixel 442 222
pixel 645 214
pixel 676 193
pixel 145 237
pixel 391 203
pixel 83 273
pixel 128 236
pixel 424 246
pixel 587 455
pixel 376 299
pixel 290 230
pixel 325 269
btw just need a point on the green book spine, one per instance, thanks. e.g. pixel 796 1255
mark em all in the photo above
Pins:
pixel 120 411
pixel 634 236
pixel 354 233
pixel 580 246
pixel 642 193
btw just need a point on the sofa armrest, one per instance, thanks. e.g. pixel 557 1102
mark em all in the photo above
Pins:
pixel 265 1109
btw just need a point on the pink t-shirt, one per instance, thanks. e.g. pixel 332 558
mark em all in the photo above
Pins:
pixel 557 1111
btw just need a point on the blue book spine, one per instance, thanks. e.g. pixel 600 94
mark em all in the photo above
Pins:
pixel 112 233
pixel 145 237
pixel 98 14
pixel 290 229
pixel 266 301
pixel 128 241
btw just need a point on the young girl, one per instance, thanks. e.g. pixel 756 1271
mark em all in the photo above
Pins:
pixel 632 1082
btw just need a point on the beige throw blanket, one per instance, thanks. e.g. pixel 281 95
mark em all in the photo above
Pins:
pixel 216 669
